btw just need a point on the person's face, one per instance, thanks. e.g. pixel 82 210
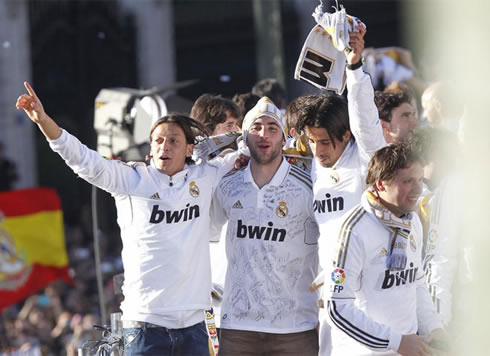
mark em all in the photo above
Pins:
pixel 413 102
pixel 169 148
pixel 402 125
pixel 430 108
pixel 229 125
pixel 400 195
pixel 265 140
pixel 322 147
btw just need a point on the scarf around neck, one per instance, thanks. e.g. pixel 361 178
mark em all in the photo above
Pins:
pixel 399 228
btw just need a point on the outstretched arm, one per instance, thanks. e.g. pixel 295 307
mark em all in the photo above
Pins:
pixel 363 114
pixel 112 176
pixel 34 109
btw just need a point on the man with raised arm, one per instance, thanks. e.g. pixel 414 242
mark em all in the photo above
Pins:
pixel 342 136
pixel 163 213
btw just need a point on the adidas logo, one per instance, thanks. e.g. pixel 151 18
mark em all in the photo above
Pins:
pixel 237 205
pixel 383 252
pixel 155 196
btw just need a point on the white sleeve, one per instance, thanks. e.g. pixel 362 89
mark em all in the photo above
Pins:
pixel 442 254
pixel 363 114
pixel 218 215
pixel 339 289
pixel 113 176
pixel 427 317
pixel 311 226
pixel 224 164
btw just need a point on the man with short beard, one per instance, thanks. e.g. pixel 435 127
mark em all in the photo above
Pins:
pixel 271 247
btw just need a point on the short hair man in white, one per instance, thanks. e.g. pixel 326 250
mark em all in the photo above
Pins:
pixel 163 213
pixel 342 136
pixel 398 116
pixel 378 301
pixel 271 246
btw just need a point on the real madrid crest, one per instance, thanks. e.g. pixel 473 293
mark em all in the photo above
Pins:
pixel 193 189
pixel 332 176
pixel 413 245
pixel 282 209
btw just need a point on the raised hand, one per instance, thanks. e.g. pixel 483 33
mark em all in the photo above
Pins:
pixel 34 109
pixel 31 104
pixel 356 41
pixel 241 162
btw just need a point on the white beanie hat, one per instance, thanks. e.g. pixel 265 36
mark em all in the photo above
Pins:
pixel 264 107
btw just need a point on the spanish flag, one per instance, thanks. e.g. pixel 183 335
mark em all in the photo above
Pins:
pixel 32 243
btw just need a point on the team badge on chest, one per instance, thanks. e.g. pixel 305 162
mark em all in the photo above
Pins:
pixel 193 189
pixel 413 245
pixel 282 209
pixel 332 176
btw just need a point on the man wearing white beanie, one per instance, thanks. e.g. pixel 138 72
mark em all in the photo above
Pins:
pixel 271 246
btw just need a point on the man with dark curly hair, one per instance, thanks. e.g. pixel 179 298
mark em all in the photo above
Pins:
pixel 398 116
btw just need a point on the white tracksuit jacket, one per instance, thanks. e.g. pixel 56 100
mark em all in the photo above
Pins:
pixel 447 257
pixel 369 306
pixel 338 189
pixel 164 225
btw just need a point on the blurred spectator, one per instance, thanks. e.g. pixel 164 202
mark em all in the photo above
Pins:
pixel 443 107
pixel 8 171
pixel 219 115
pixel 397 87
pixel 397 116
pixel 245 102
pixel 272 89
pixel 59 319
pixel 389 64
pixel 439 149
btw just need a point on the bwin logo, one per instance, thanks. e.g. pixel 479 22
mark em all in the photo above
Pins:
pixel 190 212
pixel 329 204
pixel 400 277
pixel 260 232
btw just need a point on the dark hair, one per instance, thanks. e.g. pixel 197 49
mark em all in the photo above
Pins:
pixel 324 111
pixel 293 109
pixel 397 87
pixel 192 128
pixel 245 103
pixel 387 161
pixel 386 102
pixel 271 88
pixel 211 110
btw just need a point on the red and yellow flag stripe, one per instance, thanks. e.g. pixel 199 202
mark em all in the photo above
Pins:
pixel 32 243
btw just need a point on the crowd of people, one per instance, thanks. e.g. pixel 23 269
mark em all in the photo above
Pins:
pixel 328 218
pixel 60 318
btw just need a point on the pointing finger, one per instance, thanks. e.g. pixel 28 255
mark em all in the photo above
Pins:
pixel 30 90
